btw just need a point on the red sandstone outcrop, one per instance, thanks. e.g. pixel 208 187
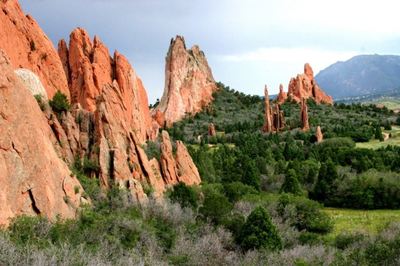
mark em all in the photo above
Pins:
pixel 318 135
pixel 304 115
pixel 178 168
pixel 91 69
pixel 305 86
pixel 108 123
pixel 211 130
pixel 33 179
pixel 189 83
pixel 282 96
pixel 274 119
pixel 28 47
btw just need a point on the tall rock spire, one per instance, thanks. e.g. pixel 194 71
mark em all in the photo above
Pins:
pixel 267 112
pixel 304 115
pixel 274 119
pixel 189 83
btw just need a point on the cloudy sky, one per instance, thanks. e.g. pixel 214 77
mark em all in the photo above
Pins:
pixel 248 43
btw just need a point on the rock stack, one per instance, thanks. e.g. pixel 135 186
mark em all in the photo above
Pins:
pixel 318 135
pixel 274 119
pixel 304 86
pixel 189 83
pixel 304 115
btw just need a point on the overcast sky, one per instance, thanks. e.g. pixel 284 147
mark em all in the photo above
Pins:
pixel 248 43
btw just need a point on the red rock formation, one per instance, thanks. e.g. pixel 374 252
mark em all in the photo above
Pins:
pixel 189 83
pixel 28 47
pixel 211 130
pixel 91 69
pixel 318 134
pixel 304 115
pixel 305 86
pixel 187 170
pixel 33 179
pixel 267 112
pixel 274 120
pixel 109 123
pixel 282 96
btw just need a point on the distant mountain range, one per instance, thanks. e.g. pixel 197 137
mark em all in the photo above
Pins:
pixel 361 76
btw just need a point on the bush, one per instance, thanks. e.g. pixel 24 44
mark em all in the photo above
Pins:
pixel 40 101
pixel 184 195
pixel 216 206
pixel 236 190
pixel 307 215
pixel 291 184
pixel 259 232
pixel 59 103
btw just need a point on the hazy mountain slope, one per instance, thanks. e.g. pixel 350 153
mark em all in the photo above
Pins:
pixel 363 74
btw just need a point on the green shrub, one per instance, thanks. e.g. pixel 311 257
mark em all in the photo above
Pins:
pixel 40 101
pixel 90 166
pixel 236 190
pixel 184 195
pixel 291 184
pixel 345 240
pixel 259 232
pixel 216 206
pixel 308 214
pixel 153 150
pixel 59 103
pixel 27 230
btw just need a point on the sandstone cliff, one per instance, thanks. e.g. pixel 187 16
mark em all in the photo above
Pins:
pixel 33 179
pixel 304 115
pixel 189 83
pixel 305 86
pixel 28 47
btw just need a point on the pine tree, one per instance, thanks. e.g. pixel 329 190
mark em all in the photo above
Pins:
pixel 259 232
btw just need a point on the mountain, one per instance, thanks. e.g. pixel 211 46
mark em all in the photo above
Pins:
pixel 361 75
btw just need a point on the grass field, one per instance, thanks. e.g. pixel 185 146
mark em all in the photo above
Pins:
pixel 371 221
pixel 390 103
pixel 376 144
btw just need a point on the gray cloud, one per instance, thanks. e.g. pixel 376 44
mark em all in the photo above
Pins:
pixel 141 29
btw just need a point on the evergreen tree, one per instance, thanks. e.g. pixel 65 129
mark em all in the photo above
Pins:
pixel 378 133
pixel 291 184
pixel 259 232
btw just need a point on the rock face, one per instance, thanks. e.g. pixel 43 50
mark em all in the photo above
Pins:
pixel 305 86
pixel 282 96
pixel 211 130
pixel 33 179
pixel 91 69
pixel 31 82
pixel 178 168
pixel 28 47
pixel 274 119
pixel 304 115
pixel 318 135
pixel 189 83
